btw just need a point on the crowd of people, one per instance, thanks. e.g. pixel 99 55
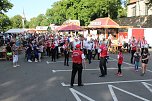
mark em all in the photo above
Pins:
pixel 139 53
pixel 36 46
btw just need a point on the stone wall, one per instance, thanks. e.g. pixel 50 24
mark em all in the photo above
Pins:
pixel 136 22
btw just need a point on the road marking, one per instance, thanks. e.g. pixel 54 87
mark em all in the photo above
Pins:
pixel 54 71
pixel 133 65
pixel 112 93
pixel 76 93
pixel 124 62
pixel 71 61
pixel 115 97
pixel 149 70
pixel 147 86
pixel 102 83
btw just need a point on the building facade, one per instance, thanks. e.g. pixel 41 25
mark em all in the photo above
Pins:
pixel 139 8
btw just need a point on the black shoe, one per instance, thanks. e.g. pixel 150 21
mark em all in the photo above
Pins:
pixel 142 74
pixel 67 65
pixel 81 85
pixel 71 86
pixel 102 76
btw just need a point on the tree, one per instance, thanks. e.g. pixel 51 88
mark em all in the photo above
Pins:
pixel 26 24
pixel 4 22
pixel 40 18
pixel 5 5
pixel 45 22
pixel 16 21
pixel 33 23
pixel 122 12
pixel 83 10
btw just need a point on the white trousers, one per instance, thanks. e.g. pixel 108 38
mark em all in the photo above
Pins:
pixel 15 58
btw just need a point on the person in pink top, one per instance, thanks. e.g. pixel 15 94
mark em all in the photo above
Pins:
pixel 143 44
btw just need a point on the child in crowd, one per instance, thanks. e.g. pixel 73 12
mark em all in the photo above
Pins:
pixel 137 59
pixel 15 55
pixel 40 51
pixel 144 60
pixel 120 61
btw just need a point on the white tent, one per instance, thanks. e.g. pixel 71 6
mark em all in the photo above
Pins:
pixel 16 31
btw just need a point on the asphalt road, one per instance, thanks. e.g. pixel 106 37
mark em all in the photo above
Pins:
pixel 49 81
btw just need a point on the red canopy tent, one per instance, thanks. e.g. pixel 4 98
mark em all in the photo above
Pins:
pixel 103 23
pixel 70 27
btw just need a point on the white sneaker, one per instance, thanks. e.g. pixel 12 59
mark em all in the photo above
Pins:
pixel 36 61
pixel 17 65
pixel 29 61
pixel 14 66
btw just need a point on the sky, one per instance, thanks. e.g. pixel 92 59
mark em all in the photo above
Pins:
pixel 32 8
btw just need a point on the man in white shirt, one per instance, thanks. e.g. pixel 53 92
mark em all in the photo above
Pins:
pixel 75 42
pixel 85 42
pixel 89 50
pixel 56 43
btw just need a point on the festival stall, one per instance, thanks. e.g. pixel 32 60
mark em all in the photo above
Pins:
pixel 71 27
pixel 108 29
pixel 16 31
pixel 42 29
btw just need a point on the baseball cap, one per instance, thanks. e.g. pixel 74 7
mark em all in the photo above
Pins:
pixel 78 46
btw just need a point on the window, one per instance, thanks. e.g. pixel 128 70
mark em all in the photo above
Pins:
pixel 134 11
pixel 146 9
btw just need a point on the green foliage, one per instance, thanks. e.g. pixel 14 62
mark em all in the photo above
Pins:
pixel 83 10
pixel 122 12
pixel 33 23
pixel 27 24
pixel 45 22
pixel 4 23
pixel 5 5
pixel 40 20
pixel 16 21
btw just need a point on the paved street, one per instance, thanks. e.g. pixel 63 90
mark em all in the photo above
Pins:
pixel 49 81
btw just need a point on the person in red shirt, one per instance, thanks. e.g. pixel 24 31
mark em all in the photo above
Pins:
pixel 133 49
pixel 48 48
pixel 120 61
pixel 53 51
pixel 103 55
pixel 66 53
pixel 95 46
pixel 77 58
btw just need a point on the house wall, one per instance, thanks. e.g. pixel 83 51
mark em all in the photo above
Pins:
pixel 141 8
pixel 136 22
